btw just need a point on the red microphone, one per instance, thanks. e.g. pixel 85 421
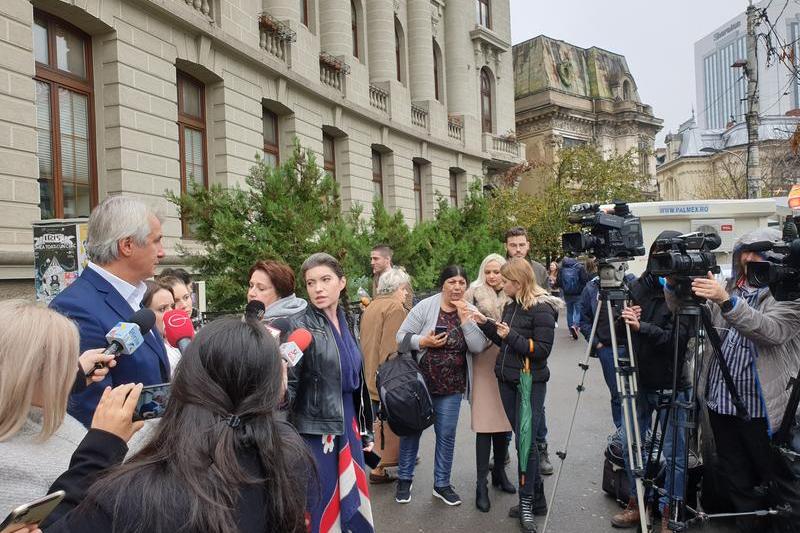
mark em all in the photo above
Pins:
pixel 178 328
pixel 292 350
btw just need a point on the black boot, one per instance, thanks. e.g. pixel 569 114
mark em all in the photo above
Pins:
pixel 539 500
pixel 499 477
pixel 545 466
pixel 482 497
pixel 526 522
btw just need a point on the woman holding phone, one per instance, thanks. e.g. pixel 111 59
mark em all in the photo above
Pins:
pixel 441 329
pixel 525 333
pixel 330 405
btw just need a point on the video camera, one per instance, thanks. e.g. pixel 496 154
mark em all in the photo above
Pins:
pixel 782 275
pixel 685 256
pixel 609 237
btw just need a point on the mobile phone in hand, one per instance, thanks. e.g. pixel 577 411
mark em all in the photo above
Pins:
pixel 152 402
pixel 438 330
pixel 32 512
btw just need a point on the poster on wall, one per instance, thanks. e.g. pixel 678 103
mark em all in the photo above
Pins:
pixel 59 257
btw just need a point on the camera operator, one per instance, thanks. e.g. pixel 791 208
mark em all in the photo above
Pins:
pixel 652 334
pixel 761 347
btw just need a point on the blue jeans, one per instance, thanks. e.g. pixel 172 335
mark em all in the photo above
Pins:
pixel 606 356
pixel 647 403
pixel 446 409
pixel 573 309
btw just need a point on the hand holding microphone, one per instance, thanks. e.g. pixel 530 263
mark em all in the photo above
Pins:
pixel 126 337
pixel 89 358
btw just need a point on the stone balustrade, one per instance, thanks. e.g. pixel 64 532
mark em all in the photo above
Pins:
pixel 378 98
pixel 455 128
pixel 500 144
pixel 275 36
pixel 332 71
pixel 201 6
pixel 419 116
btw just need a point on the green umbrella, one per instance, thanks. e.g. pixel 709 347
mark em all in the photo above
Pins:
pixel 525 416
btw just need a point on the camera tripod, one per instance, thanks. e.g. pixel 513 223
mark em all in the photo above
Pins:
pixel 613 293
pixel 680 417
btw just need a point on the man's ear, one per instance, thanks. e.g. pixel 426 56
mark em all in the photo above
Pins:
pixel 125 246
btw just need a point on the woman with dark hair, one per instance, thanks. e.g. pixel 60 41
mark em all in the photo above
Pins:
pixel 330 405
pixel 160 299
pixel 272 283
pixel 524 334
pixel 221 459
pixel 440 328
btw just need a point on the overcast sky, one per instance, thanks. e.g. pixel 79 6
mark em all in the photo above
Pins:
pixel 657 39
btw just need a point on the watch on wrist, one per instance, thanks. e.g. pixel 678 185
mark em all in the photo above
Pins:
pixel 726 306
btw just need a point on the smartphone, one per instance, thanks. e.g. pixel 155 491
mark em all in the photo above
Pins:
pixel 438 330
pixel 31 513
pixel 152 402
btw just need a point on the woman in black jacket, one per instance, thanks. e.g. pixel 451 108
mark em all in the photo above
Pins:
pixel 526 331
pixel 330 405
pixel 221 459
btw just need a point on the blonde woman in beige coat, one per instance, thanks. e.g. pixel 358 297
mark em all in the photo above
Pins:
pixel 489 421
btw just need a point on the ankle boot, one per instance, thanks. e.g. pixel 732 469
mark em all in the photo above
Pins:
pixel 545 466
pixel 539 500
pixel 482 497
pixel 526 522
pixel 628 517
pixel 501 481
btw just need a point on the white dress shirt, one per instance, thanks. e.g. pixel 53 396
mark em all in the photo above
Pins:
pixel 130 293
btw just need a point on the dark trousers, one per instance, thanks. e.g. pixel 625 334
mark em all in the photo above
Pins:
pixel 484 442
pixel 511 401
pixel 746 461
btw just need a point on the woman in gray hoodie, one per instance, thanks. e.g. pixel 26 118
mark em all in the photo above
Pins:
pixel 272 283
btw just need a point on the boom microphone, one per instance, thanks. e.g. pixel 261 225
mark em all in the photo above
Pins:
pixel 126 337
pixel 292 350
pixel 178 329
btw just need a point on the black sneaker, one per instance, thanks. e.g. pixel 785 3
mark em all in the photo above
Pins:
pixel 447 495
pixel 403 492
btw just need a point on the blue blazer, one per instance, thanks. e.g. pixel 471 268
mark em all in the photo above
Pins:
pixel 96 307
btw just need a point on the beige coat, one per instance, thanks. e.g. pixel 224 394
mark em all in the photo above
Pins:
pixel 488 415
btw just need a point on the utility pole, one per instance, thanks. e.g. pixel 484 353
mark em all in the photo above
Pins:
pixel 751 71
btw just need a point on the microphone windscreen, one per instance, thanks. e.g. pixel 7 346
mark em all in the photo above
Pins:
pixel 758 246
pixel 281 324
pixel 177 326
pixel 301 337
pixel 145 319
pixel 254 310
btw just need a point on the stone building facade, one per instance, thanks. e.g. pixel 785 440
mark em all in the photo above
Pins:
pixel 399 98
pixel 566 96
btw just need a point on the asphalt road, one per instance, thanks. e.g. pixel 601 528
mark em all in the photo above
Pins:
pixel 580 504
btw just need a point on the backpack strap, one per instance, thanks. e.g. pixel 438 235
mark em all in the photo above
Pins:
pixel 405 347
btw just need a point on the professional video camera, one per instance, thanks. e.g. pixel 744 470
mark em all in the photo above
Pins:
pixel 781 275
pixel 608 236
pixel 688 255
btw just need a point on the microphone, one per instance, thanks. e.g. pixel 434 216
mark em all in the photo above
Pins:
pixel 255 310
pixel 126 337
pixel 178 329
pixel 298 341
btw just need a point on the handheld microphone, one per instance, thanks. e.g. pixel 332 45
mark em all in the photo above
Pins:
pixel 178 329
pixel 298 341
pixel 255 310
pixel 126 337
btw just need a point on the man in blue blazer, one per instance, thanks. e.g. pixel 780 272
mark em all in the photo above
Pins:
pixel 124 247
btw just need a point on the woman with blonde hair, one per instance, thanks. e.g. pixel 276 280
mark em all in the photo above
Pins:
pixel 489 421
pixel 39 367
pixel 525 333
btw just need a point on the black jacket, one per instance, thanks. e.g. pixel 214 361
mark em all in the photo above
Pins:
pixel 315 384
pixel 535 324
pixel 653 344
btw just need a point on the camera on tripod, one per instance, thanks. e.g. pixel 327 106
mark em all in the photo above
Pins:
pixel 686 256
pixel 608 236
pixel 781 273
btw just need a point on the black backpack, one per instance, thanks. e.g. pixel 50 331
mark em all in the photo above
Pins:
pixel 405 402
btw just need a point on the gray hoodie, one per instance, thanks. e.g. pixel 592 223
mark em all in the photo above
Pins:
pixel 285 307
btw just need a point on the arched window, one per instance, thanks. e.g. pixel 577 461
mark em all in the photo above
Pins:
pixel 437 71
pixel 398 49
pixel 354 26
pixel 486 100
pixel 626 90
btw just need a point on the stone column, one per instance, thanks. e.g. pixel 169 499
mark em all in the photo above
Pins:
pixel 380 36
pixel 336 27
pixel 420 50
pixel 283 9
pixel 461 98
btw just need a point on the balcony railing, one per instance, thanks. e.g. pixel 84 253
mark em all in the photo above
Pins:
pixel 455 128
pixel 419 116
pixel 201 6
pixel 332 71
pixel 500 144
pixel 276 36
pixel 378 98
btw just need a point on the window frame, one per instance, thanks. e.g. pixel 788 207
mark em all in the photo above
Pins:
pixel 304 13
pixel 354 28
pixel 273 149
pixel 195 124
pixel 484 7
pixel 377 179
pixel 453 188
pixel 437 67
pixel 55 78
pixel 486 110
pixel 399 41
pixel 417 170
pixel 329 165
